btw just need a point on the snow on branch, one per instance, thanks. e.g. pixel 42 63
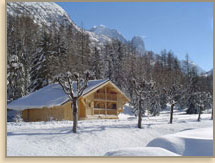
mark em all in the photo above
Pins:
pixel 68 80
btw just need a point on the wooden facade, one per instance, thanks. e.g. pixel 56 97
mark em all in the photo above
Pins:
pixel 105 101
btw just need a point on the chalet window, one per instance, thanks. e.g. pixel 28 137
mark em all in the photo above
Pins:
pixel 96 105
pixel 113 106
pixel 99 105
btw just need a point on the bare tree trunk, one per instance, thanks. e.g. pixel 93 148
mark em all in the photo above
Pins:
pixel 140 116
pixel 212 114
pixel 171 113
pixel 75 115
pixel 199 116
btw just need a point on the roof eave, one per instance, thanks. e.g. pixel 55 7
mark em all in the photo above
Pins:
pixel 128 100
pixel 86 94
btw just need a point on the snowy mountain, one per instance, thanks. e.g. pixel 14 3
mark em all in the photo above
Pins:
pixel 98 40
pixel 138 43
pixel 103 31
pixel 46 13
pixel 42 13
pixel 193 65
pixel 208 73
pixel 105 34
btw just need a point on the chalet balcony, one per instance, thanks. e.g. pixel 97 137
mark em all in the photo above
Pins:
pixel 103 96
pixel 104 111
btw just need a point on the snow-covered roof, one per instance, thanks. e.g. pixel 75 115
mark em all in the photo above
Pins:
pixel 48 96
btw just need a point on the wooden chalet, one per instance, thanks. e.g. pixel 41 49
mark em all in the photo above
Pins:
pixel 101 99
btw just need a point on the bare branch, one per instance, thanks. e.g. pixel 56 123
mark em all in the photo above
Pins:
pixel 71 87
pixel 80 92
pixel 59 81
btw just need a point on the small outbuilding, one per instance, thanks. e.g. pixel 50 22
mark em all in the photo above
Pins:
pixel 101 99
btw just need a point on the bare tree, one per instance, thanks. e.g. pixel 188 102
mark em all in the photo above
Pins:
pixel 73 85
pixel 203 100
pixel 143 91
pixel 173 96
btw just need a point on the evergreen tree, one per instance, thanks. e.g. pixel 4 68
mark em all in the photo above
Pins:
pixel 58 57
pixel 192 89
pixel 40 72
pixel 108 59
pixel 15 78
pixel 20 31
pixel 118 63
pixel 96 63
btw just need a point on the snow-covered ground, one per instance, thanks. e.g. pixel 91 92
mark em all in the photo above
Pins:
pixel 100 137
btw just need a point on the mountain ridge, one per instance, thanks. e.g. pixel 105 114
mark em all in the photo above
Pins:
pixel 48 12
pixel 111 33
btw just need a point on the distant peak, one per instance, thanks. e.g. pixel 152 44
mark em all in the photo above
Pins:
pixel 138 37
pixel 99 26
pixel 108 32
pixel 102 26
pixel 138 43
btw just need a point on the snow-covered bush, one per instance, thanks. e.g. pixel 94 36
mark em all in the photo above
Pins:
pixel 18 117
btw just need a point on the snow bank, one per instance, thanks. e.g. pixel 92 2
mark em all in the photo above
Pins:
pixel 144 151
pixel 196 142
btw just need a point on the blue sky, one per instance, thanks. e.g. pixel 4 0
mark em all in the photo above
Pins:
pixel 181 27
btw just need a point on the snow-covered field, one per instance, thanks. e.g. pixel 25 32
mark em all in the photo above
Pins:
pixel 102 137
